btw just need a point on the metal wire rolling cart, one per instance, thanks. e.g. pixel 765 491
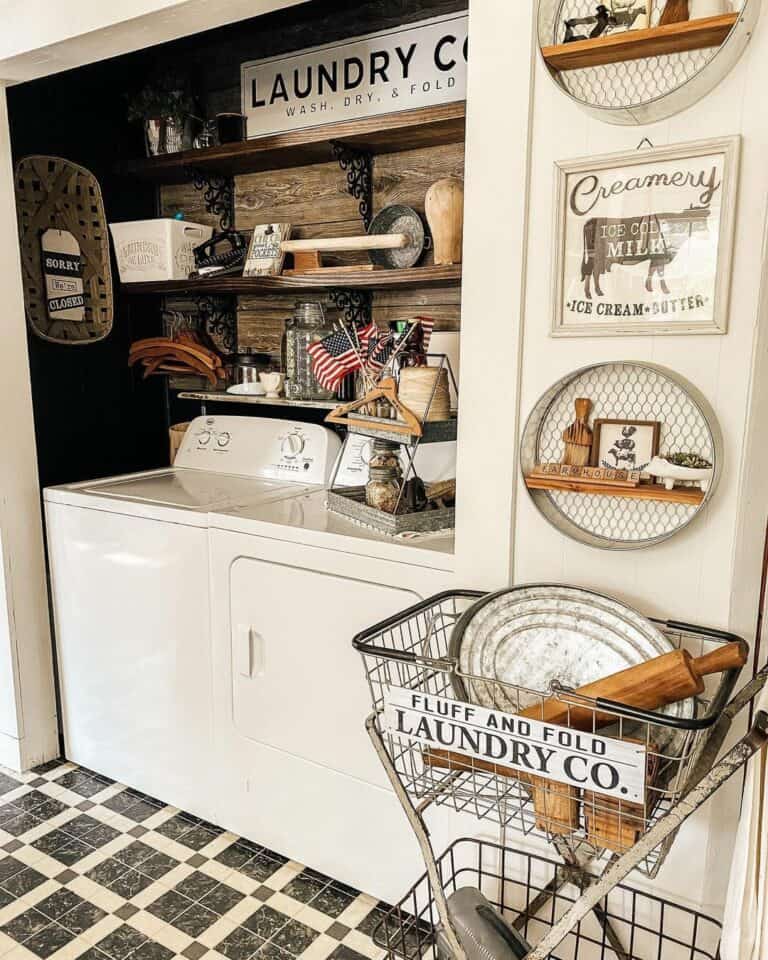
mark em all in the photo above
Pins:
pixel 599 839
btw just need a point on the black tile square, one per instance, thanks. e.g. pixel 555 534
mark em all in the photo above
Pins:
pixel 266 922
pixel 121 942
pixel 345 888
pixel 127 911
pixel 174 828
pixel 303 887
pixel 343 952
pixel 315 874
pixel 100 835
pixel 332 902
pixel 24 881
pixel 20 824
pixel 66 876
pixel 152 951
pixel 158 865
pixel 130 883
pixel 7 783
pixel 106 871
pixel 5 898
pixel 9 866
pixel 85 805
pixel 140 811
pixel 80 826
pixel 48 766
pixel 35 800
pixel 12 846
pixel 235 855
pixel 59 903
pixel 100 777
pixel 50 842
pixel 120 802
pixel 195 921
pixel 295 937
pixel 79 782
pixel 93 954
pixel 169 906
pixel 261 867
pixel 135 853
pixel 241 944
pixel 37 782
pixel 196 885
pixel 49 940
pixel 138 831
pixel 197 838
pixel 197 860
pixel 338 930
pixel 72 851
pixel 25 925
pixel 270 951
pixel 82 918
pixel 194 951
pixel 369 923
pixel 222 898
pixel 263 893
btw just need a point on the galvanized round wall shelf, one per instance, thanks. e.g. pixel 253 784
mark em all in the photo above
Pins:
pixel 621 391
pixel 641 76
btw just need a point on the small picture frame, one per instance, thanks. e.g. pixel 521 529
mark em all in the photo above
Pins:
pixel 624 444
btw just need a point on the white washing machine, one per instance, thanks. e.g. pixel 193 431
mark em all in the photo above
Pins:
pixel 291 585
pixel 129 566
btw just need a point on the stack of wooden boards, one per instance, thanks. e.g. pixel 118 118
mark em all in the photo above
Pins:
pixel 186 354
pixel 609 823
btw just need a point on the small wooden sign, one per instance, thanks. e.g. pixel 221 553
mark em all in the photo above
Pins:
pixel 597 475
pixel 63 274
pixel 265 254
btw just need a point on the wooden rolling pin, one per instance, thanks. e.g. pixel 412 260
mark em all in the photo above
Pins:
pixel 656 683
pixel 384 241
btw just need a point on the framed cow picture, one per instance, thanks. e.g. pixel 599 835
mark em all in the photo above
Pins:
pixel 644 241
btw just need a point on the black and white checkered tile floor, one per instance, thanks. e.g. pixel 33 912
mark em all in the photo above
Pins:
pixel 92 869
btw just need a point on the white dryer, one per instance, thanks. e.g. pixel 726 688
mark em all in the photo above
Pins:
pixel 129 568
pixel 291 586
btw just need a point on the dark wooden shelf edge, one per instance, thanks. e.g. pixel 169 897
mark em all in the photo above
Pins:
pixel 364 280
pixel 639 44
pixel 391 133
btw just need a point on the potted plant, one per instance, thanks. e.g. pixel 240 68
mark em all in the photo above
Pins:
pixel 686 467
pixel 166 108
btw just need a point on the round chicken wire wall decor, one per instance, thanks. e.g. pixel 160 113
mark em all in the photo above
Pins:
pixel 633 76
pixel 622 392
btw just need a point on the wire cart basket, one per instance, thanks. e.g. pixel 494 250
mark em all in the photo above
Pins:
pixel 573 905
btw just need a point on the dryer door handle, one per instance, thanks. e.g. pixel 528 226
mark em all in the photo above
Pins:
pixel 250 652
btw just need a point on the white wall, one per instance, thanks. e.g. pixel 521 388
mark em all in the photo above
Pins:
pixel 708 574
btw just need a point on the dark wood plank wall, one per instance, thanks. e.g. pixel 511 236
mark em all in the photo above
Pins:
pixel 314 198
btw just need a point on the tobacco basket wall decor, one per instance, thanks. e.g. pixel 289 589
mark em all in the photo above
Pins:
pixel 640 76
pixel 626 392
pixel 54 194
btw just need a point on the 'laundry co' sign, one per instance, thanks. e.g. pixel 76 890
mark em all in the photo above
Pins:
pixel 602 765
pixel 416 66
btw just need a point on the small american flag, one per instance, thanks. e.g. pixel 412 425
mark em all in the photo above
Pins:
pixel 381 351
pixel 339 354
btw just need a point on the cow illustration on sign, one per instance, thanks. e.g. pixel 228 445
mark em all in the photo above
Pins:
pixel 657 238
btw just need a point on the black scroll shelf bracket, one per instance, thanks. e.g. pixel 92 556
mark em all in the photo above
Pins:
pixel 358 166
pixel 218 195
pixel 218 317
pixel 354 305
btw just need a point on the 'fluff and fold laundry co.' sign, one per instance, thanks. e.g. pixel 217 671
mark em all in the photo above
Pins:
pixel 419 65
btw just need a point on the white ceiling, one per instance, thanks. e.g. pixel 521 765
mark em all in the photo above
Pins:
pixel 41 37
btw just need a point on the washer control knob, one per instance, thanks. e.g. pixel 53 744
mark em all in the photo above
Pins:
pixel 204 437
pixel 292 445
pixel 223 439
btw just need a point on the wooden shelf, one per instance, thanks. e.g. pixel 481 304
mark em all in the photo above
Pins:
pixel 690 496
pixel 219 396
pixel 637 44
pixel 393 133
pixel 360 279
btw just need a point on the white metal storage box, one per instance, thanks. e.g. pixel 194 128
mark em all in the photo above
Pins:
pixel 157 249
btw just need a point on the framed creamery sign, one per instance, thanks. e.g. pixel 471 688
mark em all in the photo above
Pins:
pixel 419 65
pixel 644 241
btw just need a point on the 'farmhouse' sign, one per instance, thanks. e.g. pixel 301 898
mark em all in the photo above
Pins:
pixel 603 765
pixel 419 65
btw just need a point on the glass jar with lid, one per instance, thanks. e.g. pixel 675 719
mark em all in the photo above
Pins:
pixel 307 325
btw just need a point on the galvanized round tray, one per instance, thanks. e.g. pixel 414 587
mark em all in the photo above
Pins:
pixel 512 644
pixel 621 390
pixel 648 89
pixel 398 218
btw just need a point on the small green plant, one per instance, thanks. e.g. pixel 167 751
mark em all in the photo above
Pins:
pixel 691 460
pixel 168 98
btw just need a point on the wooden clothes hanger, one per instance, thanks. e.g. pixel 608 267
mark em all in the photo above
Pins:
pixel 386 390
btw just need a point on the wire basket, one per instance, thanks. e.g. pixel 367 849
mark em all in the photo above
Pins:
pixel 411 651
pixel 532 892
